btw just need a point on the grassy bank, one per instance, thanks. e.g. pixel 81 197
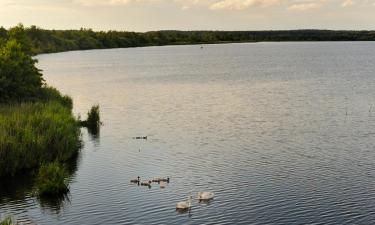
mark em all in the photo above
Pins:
pixel 34 133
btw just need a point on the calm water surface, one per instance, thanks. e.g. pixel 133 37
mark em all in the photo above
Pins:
pixel 283 133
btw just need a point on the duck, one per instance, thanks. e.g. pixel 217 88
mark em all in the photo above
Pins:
pixel 135 180
pixel 146 183
pixel 206 195
pixel 184 205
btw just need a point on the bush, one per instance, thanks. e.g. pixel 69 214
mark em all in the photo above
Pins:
pixel 51 179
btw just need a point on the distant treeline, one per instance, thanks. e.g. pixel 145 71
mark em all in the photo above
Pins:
pixel 46 41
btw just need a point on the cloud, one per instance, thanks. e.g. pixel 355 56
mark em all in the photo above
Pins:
pixel 241 5
pixel 112 2
pixel 304 5
pixel 216 5
pixel 347 3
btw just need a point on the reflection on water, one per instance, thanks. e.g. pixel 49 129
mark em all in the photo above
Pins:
pixel 21 191
pixel 282 133
pixel 54 204
pixel 94 134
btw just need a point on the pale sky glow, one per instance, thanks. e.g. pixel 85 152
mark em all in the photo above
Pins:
pixel 145 15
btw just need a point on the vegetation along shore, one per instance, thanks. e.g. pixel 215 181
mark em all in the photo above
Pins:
pixel 47 41
pixel 37 127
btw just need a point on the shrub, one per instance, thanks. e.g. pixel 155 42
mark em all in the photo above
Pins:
pixel 51 179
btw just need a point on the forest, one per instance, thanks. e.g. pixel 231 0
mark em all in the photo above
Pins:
pixel 47 41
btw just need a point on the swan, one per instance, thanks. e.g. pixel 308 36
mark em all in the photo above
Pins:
pixel 184 205
pixel 206 195
pixel 135 180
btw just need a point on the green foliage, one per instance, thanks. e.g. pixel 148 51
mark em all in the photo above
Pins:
pixel 93 116
pixel 52 94
pixel 31 133
pixel 51 179
pixel 45 41
pixel 20 80
pixel 93 120
pixel 8 221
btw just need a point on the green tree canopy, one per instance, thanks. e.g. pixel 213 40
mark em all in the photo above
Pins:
pixel 20 80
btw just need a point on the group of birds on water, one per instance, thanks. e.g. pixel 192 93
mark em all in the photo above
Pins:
pixel 163 181
pixel 160 180
pixel 183 205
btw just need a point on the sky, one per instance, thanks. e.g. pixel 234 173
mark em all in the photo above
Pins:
pixel 147 15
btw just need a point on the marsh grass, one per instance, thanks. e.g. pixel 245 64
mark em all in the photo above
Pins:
pixel 52 180
pixel 93 120
pixel 8 221
pixel 33 133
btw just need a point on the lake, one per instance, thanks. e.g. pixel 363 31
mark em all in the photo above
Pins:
pixel 282 133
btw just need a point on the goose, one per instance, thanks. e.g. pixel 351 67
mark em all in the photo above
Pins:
pixel 140 137
pixel 206 195
pixel 135 180
pixel 165 179
pixel 146 183
pixel 160 179
pixel 162 184
pixel 156 179
pixel 184 205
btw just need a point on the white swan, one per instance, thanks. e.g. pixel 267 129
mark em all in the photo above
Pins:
pixel 206 195
pixel 184 205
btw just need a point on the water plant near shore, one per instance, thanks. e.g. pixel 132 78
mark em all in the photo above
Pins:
pixel 51 180
pixel 93 120
pixel 8 221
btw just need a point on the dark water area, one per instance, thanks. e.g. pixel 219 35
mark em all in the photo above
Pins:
pixel 282 133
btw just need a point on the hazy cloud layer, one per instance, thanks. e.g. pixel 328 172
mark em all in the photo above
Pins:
pixel 301 5
pixel 141 15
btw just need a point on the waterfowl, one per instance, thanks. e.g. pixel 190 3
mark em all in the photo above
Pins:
pixel 146 183
pixel 160 179
pixel 140 137
pixel 184 205
pixel 162 184
pixel 165 179
pixel 206 195
pixel 135 180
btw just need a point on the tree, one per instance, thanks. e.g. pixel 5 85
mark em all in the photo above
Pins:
pixel 19 33
pixel 20 80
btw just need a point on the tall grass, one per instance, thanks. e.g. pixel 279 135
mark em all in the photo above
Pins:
pixel 34 133
pixel 51 179
pixel 7 221
pixel 93 120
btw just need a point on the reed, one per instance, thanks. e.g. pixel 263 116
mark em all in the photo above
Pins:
pixel 35 133
pixel 7 221
pixel 93 119
pixel 51 180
